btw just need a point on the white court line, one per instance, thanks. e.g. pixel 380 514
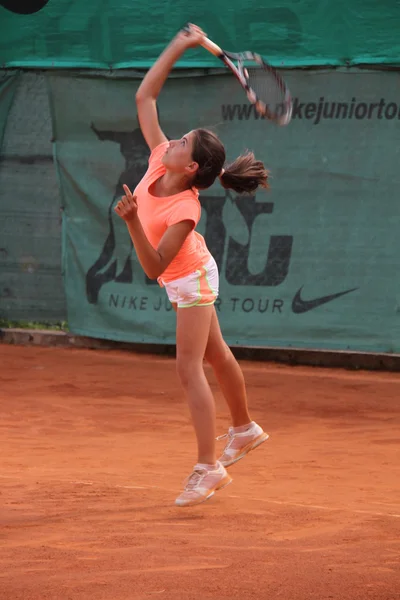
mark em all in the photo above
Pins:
pixel 328 508
pixel 396 504
pixel 250 498
pixel 254 499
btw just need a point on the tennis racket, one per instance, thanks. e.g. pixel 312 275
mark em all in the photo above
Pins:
pixel 264 87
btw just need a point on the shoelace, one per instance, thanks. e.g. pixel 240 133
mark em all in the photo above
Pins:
pixel 225 435
pixel 194 479
pixel 230 435
pixel 231 439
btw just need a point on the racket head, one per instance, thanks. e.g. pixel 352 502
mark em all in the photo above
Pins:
pixel 264 86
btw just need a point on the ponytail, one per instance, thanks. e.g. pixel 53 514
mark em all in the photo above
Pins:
pixel 244 175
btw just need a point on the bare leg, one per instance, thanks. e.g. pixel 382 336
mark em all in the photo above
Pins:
pixel 228 373
pixel 192 334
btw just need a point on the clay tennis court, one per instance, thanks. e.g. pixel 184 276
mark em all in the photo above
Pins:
pixel 95 446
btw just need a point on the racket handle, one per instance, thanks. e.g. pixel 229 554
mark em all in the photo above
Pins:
pixel 207 44
pixel 211 47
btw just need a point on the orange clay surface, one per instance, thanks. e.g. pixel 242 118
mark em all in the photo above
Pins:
pixel 95 446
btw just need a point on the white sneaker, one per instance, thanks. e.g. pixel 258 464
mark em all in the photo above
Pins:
pixel 202 484
pixel 240 444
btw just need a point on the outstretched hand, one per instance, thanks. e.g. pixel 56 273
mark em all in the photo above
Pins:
pixel 127 207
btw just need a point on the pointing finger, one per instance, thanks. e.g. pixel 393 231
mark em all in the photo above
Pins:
pixel 127 190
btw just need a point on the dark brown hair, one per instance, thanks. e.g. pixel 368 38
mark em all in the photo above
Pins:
pixel 244 175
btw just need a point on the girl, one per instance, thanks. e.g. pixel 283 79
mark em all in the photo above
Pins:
pixel 161 217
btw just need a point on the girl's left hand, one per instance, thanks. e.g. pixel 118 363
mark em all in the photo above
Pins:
pixel 127 207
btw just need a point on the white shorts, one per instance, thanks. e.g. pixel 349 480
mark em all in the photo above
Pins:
pixel 197 289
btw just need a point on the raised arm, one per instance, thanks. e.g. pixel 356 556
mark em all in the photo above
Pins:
pixel 147 94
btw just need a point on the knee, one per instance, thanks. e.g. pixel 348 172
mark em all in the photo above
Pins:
pixel 218 356
pixel 188 369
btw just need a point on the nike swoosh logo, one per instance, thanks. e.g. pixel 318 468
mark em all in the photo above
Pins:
pixel 300 306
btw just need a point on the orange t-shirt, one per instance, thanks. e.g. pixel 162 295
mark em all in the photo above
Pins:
pixel 156 214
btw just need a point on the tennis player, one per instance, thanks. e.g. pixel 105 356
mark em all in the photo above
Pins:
pixel 161 216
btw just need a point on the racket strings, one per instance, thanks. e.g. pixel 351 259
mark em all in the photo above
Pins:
pixel 267 89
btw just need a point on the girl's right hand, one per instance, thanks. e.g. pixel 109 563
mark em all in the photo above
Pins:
pixel 192 38
pixel 127 207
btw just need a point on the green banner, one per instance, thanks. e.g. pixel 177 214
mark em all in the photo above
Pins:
pixel 31 286
pixel 8 85
pixel 118 34
pixel 312 263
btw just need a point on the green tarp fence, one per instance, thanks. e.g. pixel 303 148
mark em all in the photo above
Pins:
pixel 313 263
pixel 119 33
pixel 8 84
pixel 31 287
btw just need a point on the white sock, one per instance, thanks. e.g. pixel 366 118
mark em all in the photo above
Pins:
pixel 207 467
pixel 242 428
